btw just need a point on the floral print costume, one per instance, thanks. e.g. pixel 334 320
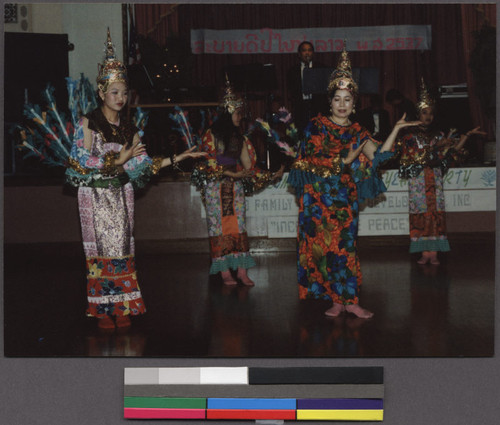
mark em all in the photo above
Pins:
pixel 224 200
pixel 424 163
pixel 329 194
pixel 106 207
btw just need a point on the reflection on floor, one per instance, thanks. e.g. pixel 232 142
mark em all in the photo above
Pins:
pixel 419 310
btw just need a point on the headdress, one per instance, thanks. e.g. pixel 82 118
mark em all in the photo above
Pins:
pixel 111 70
pixel 231 102
pixel 341 78
pixel 425 99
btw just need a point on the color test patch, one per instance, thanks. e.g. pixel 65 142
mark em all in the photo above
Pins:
pixel 241 393
pixel 251 414
pixel 340 415
pixel 137 413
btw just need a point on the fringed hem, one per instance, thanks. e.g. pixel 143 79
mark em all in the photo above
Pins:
pixel 429 245
pixel 370 188
pixel 128 308
pixel 232 261
pixel 373 186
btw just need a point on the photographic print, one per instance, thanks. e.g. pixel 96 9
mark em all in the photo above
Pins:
pixel 249 180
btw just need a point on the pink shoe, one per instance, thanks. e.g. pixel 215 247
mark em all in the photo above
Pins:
pixel 335 310
pixel 358 311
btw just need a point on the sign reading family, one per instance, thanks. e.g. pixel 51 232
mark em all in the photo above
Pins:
pixel 267 40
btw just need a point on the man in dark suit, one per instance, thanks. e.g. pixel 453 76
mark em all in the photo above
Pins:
pixel 401 104
pixel 304 105
pixel 375 118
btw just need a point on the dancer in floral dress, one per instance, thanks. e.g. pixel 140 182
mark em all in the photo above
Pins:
pixel 229 173
pixel 426 155
pixel 107 161
pixel 335 170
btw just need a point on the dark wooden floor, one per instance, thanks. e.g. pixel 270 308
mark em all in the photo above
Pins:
pixel 419 310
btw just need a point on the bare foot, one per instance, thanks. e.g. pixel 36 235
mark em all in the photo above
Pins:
pixel 434 259
pixel 227 278
pixel 335 310
pixel 242 275
pixel 123 321
pixel 425 258
pixel 106 323
pixel 358 311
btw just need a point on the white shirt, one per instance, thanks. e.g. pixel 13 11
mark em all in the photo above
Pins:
pixel 302 66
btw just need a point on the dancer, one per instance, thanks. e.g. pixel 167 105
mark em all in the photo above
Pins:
pixel 228 174
pixel 426 155
pixel 335 170
pixel 107 161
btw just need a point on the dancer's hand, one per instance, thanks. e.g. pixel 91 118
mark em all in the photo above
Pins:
pixel 128 153
pixel 476 131
pixel 189 153
pixel 238 174
pixel 402 123
pixel 278 174
pixel 354 153
pixel 464 137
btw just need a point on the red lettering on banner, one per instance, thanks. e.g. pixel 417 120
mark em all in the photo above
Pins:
pixel 269 40
pixel 290 46
pixel 220 49
pixel 198 47
pixel 339 45
pixel 238 49
pixel 320 45
pixel 362 45
pixel 377 44
pixel 252 43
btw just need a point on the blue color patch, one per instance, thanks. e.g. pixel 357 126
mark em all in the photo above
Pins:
pixel 252 403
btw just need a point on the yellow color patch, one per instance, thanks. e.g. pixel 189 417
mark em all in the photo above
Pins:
pixel 341 415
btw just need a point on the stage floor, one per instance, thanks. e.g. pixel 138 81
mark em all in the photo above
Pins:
pixel 438 311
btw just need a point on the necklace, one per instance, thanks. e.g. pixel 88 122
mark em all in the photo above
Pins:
pixel 348 123
pixel 113 128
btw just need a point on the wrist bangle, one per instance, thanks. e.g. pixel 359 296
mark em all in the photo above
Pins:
pixel 174 163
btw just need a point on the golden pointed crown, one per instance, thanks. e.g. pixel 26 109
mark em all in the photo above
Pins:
pixel 111 70
pixel 231 102
pixel 341 78
pixel 425 99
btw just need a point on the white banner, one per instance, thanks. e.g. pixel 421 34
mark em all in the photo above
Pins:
pixel 274 211
pixel 455 178
pixel 268 40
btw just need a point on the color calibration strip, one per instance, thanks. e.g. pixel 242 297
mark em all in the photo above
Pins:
pixel 316 393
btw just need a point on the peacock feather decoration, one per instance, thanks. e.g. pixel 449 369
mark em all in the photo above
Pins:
pixel 183 126
pixel 280 130
pixel 48 133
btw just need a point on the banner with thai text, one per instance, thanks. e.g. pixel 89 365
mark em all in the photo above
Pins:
pixel 268 40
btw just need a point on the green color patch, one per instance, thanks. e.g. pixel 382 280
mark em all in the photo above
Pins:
pixel 166 402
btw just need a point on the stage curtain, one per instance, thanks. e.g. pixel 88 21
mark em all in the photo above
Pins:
pixel 474 17
pixel 443 65
pixel 156 21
